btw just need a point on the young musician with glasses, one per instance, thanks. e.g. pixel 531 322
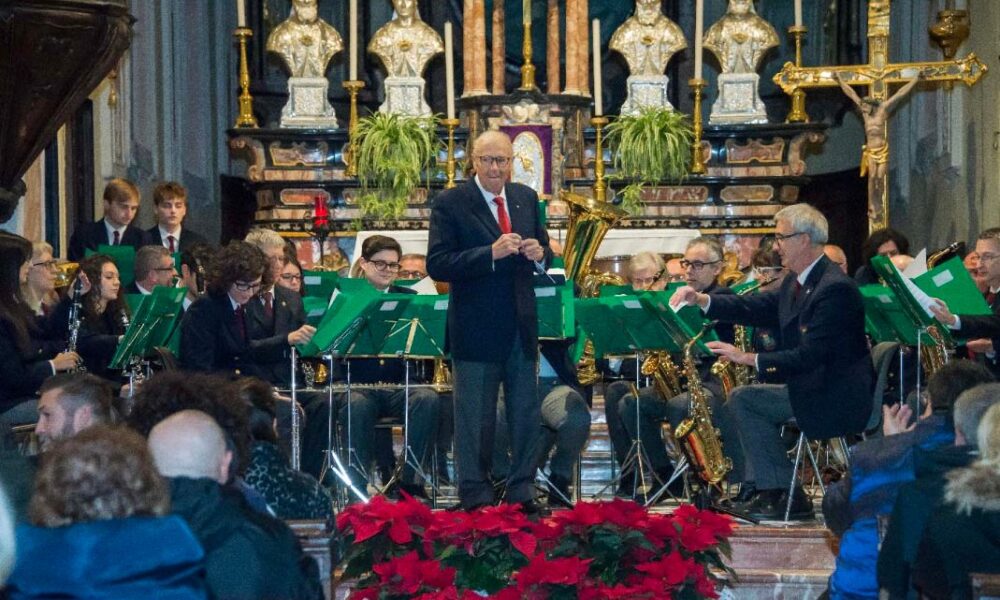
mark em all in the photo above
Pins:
pixel 154 266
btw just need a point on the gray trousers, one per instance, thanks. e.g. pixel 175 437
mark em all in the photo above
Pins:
pixel 565 431
pixel 758 412
pixel 476 386
pixel 654 410
pixel 614 394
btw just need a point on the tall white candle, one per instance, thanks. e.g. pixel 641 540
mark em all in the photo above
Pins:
pixel 241 13
pixel 798 13
pixel 598 101
pixel 353 37
pixel 699 25
pixel 526 9
pixel 449 70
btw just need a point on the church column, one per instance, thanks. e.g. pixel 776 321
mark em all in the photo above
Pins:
pixel 572 58
pixel 552 48
pixel 499 50
pixel 582 44
pixel 474 48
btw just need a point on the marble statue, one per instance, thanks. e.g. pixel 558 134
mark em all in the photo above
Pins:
pixel 306 43
pixel 739 41
pixel 647 40
pixel 405 45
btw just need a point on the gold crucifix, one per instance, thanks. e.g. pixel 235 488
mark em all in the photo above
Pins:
pixel 877 76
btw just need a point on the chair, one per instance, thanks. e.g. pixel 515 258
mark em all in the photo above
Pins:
pixel 883 355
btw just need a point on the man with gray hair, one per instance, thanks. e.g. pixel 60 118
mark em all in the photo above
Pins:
pixel 248 555
pixel 822 357
pixel 153 266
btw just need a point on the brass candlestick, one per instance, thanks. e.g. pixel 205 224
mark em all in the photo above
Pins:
pixel 245 118
pixel 352 87
pixel 600 187
pixel 697 160
pixel 798 113
pixel 449 168
pixel 528 68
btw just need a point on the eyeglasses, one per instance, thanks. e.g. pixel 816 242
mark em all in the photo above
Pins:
pixel 500 161
pixel 645 282
pixel 246 286
pixel 780 237
pixel 984 256
pixel 291 277
pixel 164 269
pixel 381 265
pixel 412 274
pixel 46 264
pixel 696 265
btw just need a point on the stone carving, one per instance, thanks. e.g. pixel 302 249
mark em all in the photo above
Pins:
pixel 647 40
pixel 739 40
pixel 306 43
pixel 405 45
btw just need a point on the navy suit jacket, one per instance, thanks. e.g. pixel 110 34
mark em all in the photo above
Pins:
pixel 289 315
pixel 822 353
pixel 88 236
pixel 984 326
pixel 490 301
pixel 188 238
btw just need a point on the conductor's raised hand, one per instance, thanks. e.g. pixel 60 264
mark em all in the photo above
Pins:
pixel 532 250
pixel 506 245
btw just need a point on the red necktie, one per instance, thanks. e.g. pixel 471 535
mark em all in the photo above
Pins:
pixel 502 215
pixel 269 305
pixel 241 325
pixel 118 238
pixel 170 240
pixel 991 298
pixel 798 289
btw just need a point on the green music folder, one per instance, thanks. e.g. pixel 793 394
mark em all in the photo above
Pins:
pixel 152 324
pixel 885 318
pixel 555 308
pixel 124 257
pixel 681 325
pixel 951 282
pixel 910 307
pixel 628 324
pixel 341 321
pixel 418 331
pixel 320 284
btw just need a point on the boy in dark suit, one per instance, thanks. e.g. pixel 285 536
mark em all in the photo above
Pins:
pixel 121 205
pixel 170 208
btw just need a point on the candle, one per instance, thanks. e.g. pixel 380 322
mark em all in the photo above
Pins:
pixel 699 24
pixel 321 214
pixel 598 101
pixel 526 9
pixel 449 70
pixel 241 13
pixel 798 13
pixel 353 36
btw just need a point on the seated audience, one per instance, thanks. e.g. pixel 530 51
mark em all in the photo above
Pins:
pixel 918 499
pixel 290 494
pixel 121 205
pixel 170 208
pixel 885 242
pixel 853 506
pixel 153 266
pixel 248 555
pixel 963 536
pixel 100 526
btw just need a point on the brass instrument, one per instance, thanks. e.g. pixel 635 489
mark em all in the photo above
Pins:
pixel 665 373
pixel 731 273
pixel 939 256
pixel 589 221
pixel 936 356
pixel 698 437
pixel 729 374
pixel 441 380
pixel 65 273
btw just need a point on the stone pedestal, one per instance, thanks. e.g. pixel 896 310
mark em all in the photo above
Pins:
pixel 738 101
pixel 308 107
pixel 645 91
pixel 405 96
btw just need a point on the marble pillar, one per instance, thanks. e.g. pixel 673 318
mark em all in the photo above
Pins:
pixel 552 49
pixel 499 50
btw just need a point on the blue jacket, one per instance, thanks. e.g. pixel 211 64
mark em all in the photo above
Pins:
pixel 136 558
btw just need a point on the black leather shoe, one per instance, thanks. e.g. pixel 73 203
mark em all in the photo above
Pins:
pixel 558 493
pixel 533 509
pixel 747 493
pixel 626 485
pixel 415 490
pixel 770 506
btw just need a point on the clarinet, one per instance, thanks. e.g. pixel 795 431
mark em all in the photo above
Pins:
pixel 74 323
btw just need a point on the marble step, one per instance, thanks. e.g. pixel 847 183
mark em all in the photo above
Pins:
pixel 777 563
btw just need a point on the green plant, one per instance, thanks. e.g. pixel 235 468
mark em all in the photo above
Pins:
pixel 392 153
pixel 647 148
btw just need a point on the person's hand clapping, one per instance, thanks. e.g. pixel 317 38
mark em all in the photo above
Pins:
pixel 506 245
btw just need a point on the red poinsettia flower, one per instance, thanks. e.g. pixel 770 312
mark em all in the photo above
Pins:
pixel 661 530
pixel 408 574
pixel 701 529
pixel 370 593
pixel 557 571
pixel 398 519
pixel 581 517
pixel 671 570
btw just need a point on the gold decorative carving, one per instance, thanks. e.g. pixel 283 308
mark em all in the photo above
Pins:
pixel 648 39
pixel 740 38
pixel 253 152
pixel 304 41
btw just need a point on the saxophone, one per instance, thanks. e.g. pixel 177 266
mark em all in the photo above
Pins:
pixel 729 374
pixel 665 373
pixel 936 356
pixel 698 437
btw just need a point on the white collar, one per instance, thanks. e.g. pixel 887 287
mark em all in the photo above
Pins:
pixel 488 195
pixel 235 304
pixel 164 233
pixel 805 274
pixel 110 228
pixel 142 290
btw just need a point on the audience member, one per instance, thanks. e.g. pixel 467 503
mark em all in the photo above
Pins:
pixel 170 206
pixel 853 506
pixel 248 555
pixel 290 494
pixel 100 526
pixel 918 499
pixel 121 205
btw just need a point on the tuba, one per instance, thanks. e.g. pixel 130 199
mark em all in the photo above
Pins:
pixel 589 221
pixel 698 437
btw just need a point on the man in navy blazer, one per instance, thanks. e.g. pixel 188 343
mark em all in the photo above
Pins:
pixel 822 356
pixel 487 241
pixel 170 207
pixel 121 204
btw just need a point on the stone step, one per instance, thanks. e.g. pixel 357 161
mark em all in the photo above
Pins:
pixel 778 562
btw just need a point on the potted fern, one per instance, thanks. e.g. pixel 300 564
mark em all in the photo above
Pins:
pixel 392 154
pixel 648 148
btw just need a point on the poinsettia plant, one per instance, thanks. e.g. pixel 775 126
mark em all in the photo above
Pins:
pixel 597 550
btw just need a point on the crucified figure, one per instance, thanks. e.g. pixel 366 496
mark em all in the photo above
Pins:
pixel 875 152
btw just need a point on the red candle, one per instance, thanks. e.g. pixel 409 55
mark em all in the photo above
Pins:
pixel 321 213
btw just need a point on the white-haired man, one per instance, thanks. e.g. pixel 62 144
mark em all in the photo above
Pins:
pixel 822 356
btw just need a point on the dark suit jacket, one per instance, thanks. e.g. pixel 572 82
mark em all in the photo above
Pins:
pixel 984 326
pixel 822 352
pixel 211 341
pixel 188 238
pixel 22 374
pixel 289 315
pixel 490 302
pixel 88 236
